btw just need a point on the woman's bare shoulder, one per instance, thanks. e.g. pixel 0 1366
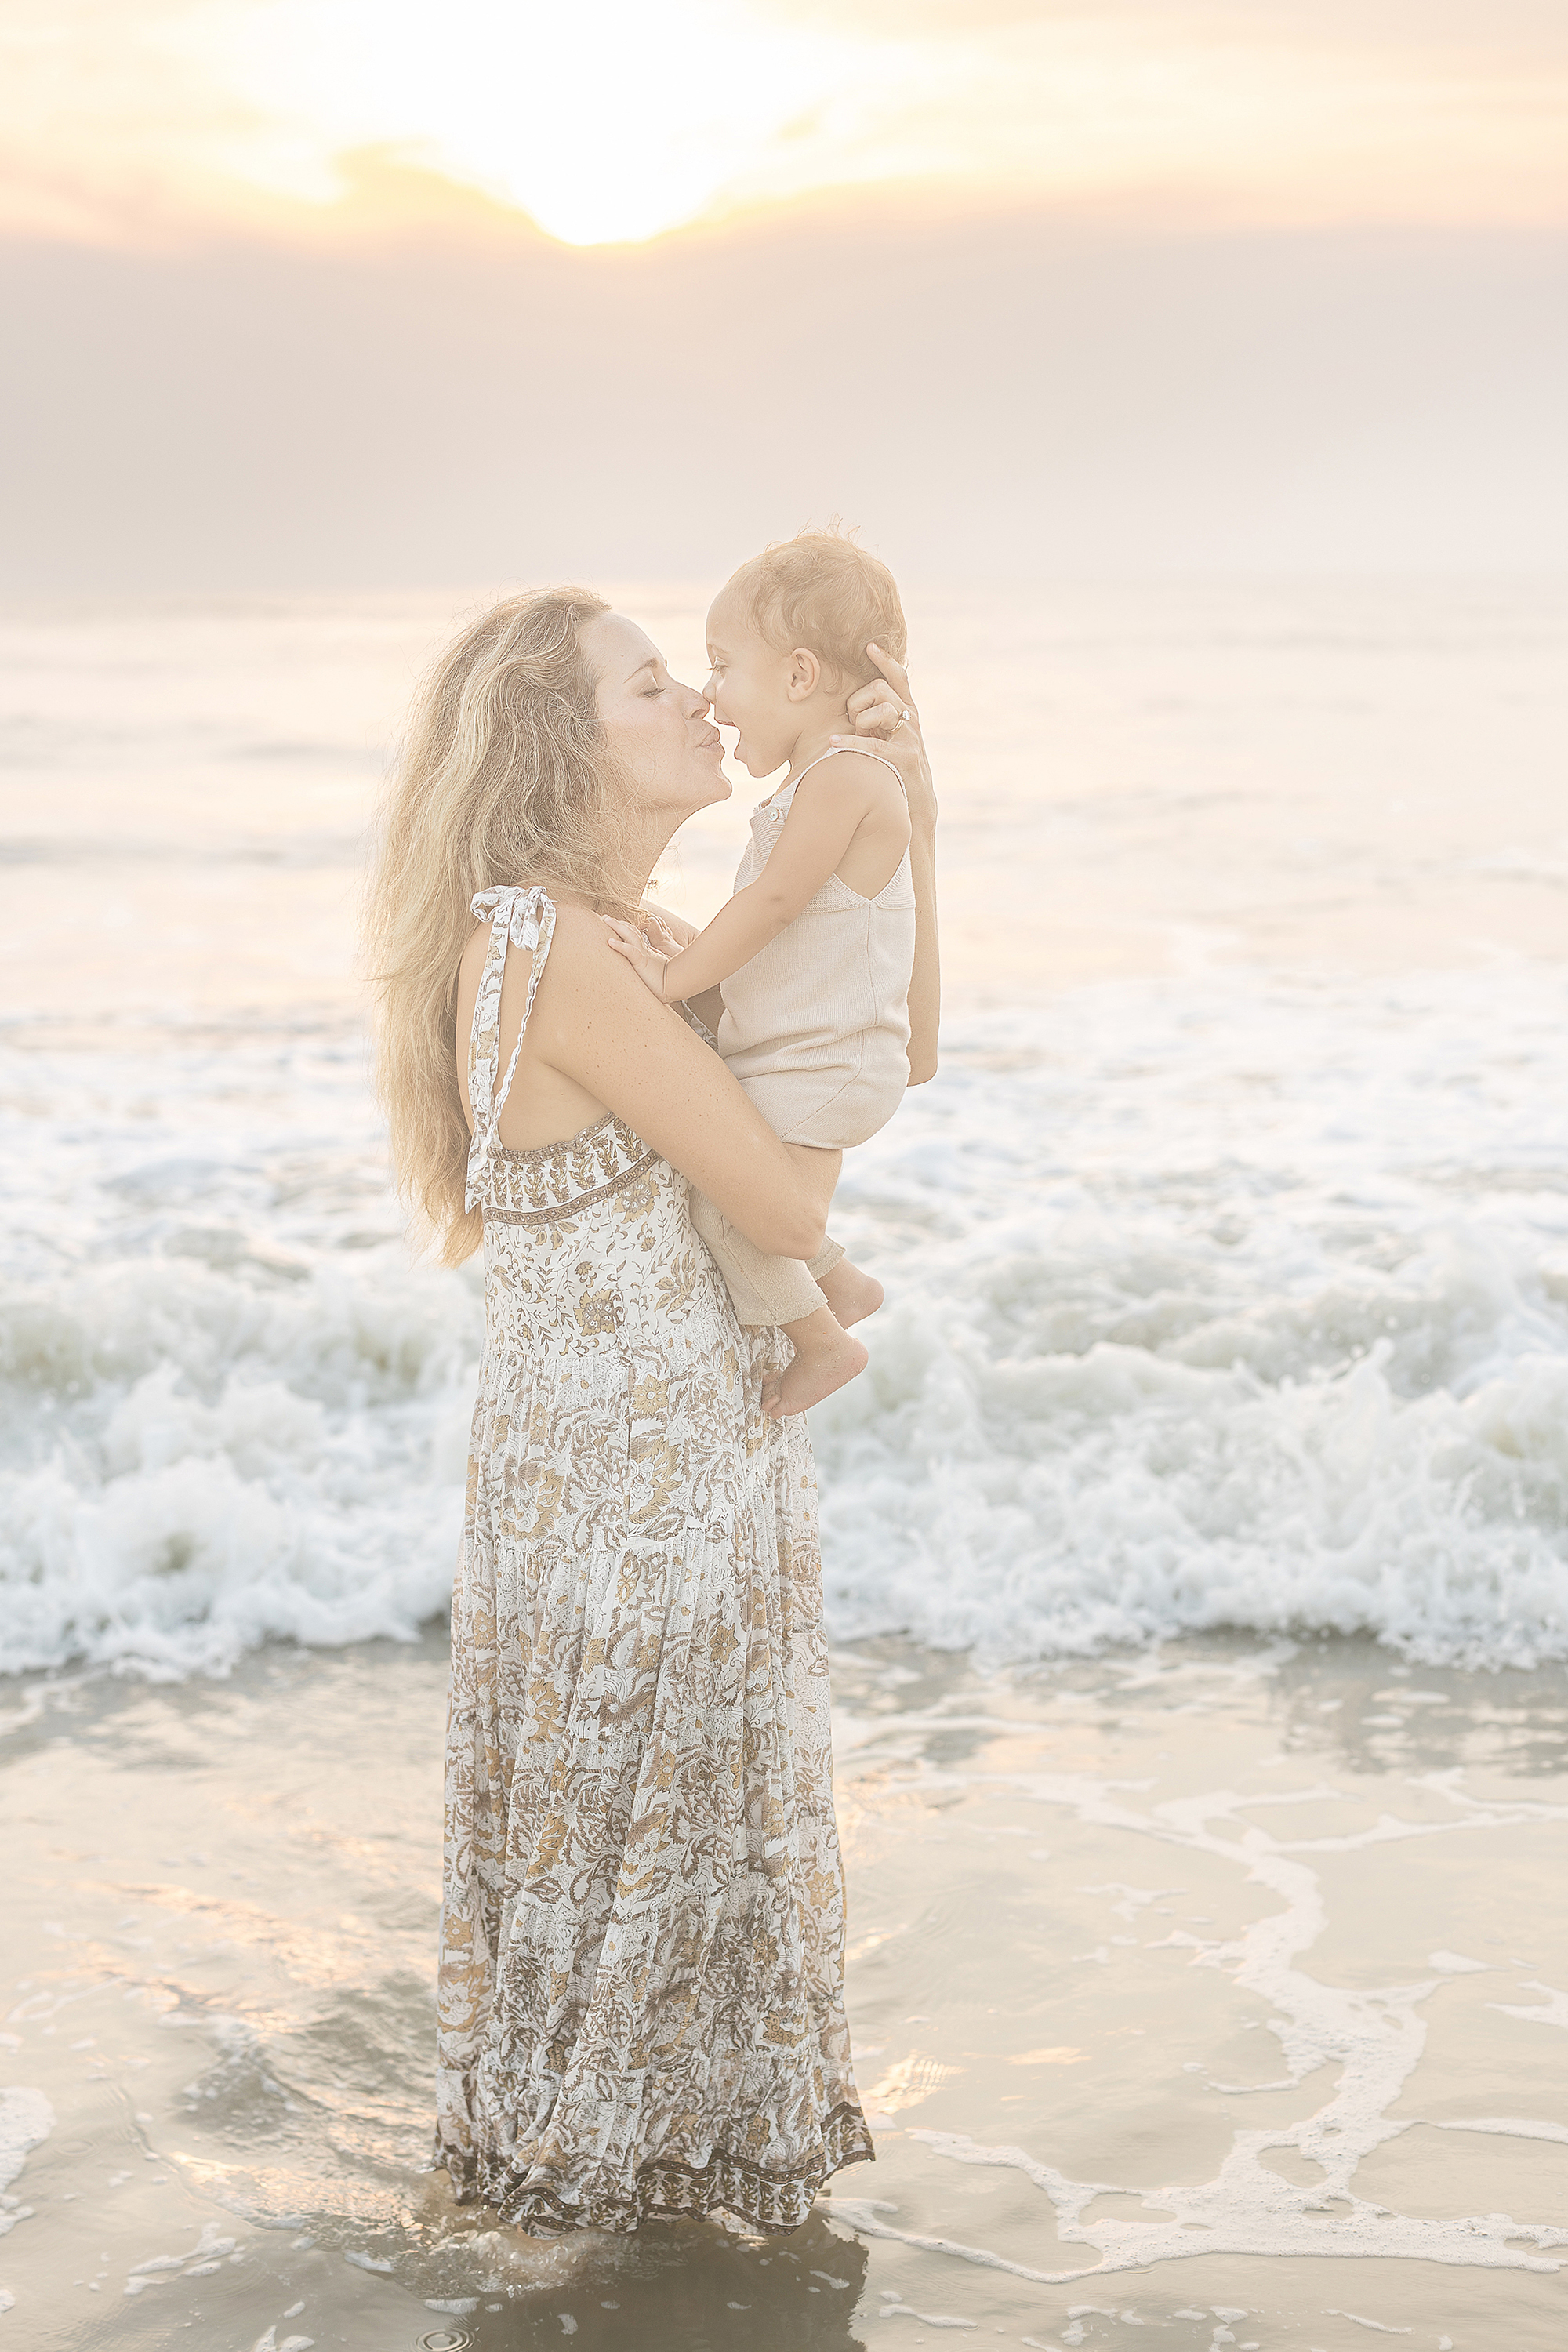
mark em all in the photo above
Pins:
pixel 581 949
pixel 578 964
pixel 585 979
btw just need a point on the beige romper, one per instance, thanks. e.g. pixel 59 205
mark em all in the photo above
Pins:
pixel 816 1029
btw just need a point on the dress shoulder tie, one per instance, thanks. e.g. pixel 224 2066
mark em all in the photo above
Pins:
pixel 520 918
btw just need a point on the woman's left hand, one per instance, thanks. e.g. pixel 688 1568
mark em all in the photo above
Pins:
pixel 884 711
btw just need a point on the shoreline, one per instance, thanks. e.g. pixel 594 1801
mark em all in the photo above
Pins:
pixel 1129 1939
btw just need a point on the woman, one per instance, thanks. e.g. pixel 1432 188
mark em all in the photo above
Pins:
pixel 640 1981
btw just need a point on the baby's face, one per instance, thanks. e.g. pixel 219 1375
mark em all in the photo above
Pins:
pixel 748 688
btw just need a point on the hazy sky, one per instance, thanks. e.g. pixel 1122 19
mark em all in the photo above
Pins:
pixel 360 289
pixel 621 120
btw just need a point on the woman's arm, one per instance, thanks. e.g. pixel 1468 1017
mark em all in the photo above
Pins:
pixel 886 714
pixel 823 819
pixel 596 1022
pixel 925 981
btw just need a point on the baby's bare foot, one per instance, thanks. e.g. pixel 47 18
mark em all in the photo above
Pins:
pixel 851 1293
pixel 815 1373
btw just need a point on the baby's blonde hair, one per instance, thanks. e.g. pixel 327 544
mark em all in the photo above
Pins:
pixel 820 591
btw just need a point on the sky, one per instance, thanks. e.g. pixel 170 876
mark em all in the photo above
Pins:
pixel 341 292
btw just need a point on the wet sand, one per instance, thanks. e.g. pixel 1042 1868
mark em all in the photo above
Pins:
pixel 1220 1991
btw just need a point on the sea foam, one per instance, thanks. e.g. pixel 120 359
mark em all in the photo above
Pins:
pixel 1216 1301
pixel 1239 1302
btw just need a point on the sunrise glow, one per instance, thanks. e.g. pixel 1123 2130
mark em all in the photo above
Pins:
pixel 604 125
pixel 621 122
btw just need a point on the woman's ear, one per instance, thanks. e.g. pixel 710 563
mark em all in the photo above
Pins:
pixel 803 675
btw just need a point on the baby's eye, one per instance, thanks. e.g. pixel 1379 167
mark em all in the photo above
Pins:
pixel 650 690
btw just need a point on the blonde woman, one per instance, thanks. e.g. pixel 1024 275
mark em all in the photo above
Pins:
pixel 640 1976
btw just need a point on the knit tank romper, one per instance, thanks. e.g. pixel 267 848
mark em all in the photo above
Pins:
pixel 817 1026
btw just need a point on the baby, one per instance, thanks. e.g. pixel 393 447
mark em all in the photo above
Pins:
pixel 812 956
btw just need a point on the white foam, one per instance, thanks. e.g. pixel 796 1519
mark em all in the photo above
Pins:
pixel 1220 1302
pixel 1371 2037
pixel 1268 1329
pixel 1554 2011
pixel 239 1411
pixel 238 1467
pixel 1508 2127
pixel 26 2119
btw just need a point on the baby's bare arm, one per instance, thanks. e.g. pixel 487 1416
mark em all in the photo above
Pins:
pixel 707 1004
pixel 821 824
pixel 886 710
pixel 681 930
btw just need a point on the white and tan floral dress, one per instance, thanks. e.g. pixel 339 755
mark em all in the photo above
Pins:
pixel 641 2006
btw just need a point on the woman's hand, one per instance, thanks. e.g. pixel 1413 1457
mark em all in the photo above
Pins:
pixel 884 711
pixel 649 963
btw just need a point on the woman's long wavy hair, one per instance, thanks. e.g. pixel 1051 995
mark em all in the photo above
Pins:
pixel 502 778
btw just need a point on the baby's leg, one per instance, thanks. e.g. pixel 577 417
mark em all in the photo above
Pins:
pixel 851 1293
pixel 780 1290
pixel 825 1357
pixel 763 1289
pixel 819 1171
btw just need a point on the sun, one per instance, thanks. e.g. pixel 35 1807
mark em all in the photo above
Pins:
pixel 606 123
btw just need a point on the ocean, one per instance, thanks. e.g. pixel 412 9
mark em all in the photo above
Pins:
pixel 1197 1533
pixel 1227 1258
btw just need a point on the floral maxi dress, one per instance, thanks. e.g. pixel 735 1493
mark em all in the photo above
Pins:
pixel 640 1990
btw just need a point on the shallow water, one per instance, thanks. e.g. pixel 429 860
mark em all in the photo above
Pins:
pixel 1221 1986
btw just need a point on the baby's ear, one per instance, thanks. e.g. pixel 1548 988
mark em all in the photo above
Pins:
pixel 805 673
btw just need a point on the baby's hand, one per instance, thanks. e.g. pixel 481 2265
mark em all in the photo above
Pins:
pixel 646 961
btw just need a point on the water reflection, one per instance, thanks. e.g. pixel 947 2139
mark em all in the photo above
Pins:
pixel 227 1920
pixel 1376 1714
pixel 689 2286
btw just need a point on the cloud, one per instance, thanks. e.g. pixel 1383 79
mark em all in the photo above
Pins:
pixel 1534 28
pixel 139 120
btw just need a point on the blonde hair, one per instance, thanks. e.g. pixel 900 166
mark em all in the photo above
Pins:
pixel 502 778
pixel 820 591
